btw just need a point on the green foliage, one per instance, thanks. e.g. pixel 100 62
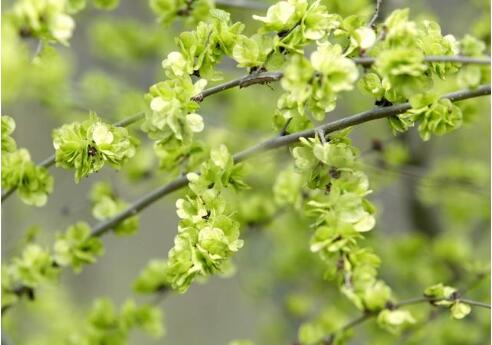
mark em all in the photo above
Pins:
pixel 106 4
pixel 448 296
pixel 34 266
pixel 315 84
pixel 455 186
pixel 207 234
pixel 33 183
pixel 153 277
pixel 125 40
pixel 105 325
pixel 308 223
pixel 44 19
pixel 436 116
pixel 88 145
pixel 472 76
pixel 76 247
pixel 168 10
pixel 395 320
pixel 106 205
pixel 8 127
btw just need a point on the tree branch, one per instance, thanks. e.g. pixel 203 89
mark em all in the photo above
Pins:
pixel 279 141
pixel 267 77
pixel 417 300
pixel 375 16
pixel 48 162
pixel 475 303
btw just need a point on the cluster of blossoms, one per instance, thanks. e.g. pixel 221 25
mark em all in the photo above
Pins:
pixel 105 325
pixel 76 247
pixel 33 183
pixel 168 10
pixel 313 85
pixel 45 19
pixel 207 233
pixel 448 296
pixel 51 20
pixel 172 119
pixel 435 116
pixel 88 145
pixel 399 70
pixel 327 185
pixel 106 205
pixel 336 198
pixel 37 265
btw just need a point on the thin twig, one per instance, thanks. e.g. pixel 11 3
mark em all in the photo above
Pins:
pixel 372 22
pixel 279 141
pixel 475 303
pixel 267 77
pixel 276 142
pixel 417 300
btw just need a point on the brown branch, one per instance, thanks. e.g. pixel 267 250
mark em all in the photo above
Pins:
pixel 276 142
pixel 417 300
pixel 267 77
pixel 372 22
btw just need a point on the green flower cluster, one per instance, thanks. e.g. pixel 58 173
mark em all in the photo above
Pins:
pixel 297 23
pixel 105 325
pixel 173 120
pixel 33 267
pixel 332 169
pixel 172 109
pixel 168 10
pixel 448 297
pixel 33 183
pixel 86 146
pixel 336 197
pixel 36 265
pixel 473 75
pixel 8 127
pixel 395 321
pixel 45 19
pixel 435 116
pixel 207 234
pixel 153 277
pixel 125 40
pixel 315 84
pixel 399 71
pixel 202 49
pixel 106 205
pixel 76 247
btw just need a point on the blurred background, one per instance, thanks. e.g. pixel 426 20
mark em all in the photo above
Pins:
pixel 112 60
